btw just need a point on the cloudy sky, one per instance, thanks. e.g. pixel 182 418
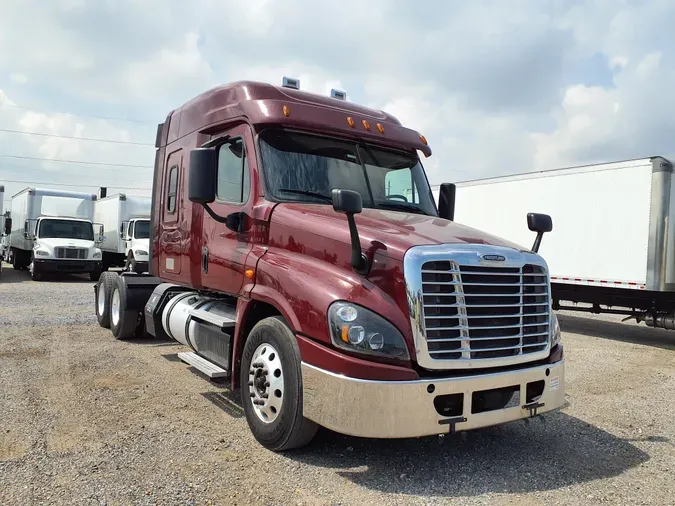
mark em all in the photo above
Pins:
pixel 497 87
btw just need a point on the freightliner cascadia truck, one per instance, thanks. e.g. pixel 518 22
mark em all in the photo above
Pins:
pixel 286 254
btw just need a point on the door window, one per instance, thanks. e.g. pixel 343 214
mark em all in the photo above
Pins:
pixel 172 190
pixel 234 182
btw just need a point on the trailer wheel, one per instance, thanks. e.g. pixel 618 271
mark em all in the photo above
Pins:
pixel 271 387
pixel 123 321
pixel 103 293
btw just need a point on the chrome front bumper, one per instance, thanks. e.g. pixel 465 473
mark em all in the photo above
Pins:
pixel 401 409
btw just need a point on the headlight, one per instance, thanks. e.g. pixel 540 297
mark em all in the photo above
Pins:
pixel 41 253
pixel 356 329
pixel 141 253
pixel 555 330
pixel 97 254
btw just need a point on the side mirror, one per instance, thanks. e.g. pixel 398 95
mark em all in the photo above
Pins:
pixel 347 201
pixel 539 223
pixel 350 203
pixel 101 238
pixel 8 226
pixel 446 201
pixel 202 176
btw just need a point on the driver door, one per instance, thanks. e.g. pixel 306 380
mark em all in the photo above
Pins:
pixel 224 251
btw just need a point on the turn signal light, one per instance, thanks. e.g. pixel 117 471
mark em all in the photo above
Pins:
pixel 249 273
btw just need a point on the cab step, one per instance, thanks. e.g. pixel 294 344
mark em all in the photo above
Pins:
pixel 201 364
pixel 224 322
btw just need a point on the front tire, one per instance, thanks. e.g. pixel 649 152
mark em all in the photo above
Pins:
pixel 103 296
pixel 123 321
pixel 271 387
pixel 95 274
pixel 35 273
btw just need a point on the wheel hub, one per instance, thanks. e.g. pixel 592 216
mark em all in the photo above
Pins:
pixel 101 299
pixel 266 383
pixel 115 307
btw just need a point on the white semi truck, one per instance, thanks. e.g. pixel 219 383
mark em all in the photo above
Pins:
pixel 612 249
pixel 125 222
pixel 52 231
pixel 2 226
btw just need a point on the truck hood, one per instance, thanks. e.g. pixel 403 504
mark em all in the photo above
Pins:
pixel 58 242
pixel 392 233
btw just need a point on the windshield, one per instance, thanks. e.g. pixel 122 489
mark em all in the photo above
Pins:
pixel 142 230
pixel 66 229
pixel 305 168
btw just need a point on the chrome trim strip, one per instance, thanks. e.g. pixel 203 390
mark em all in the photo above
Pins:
pixel 468 255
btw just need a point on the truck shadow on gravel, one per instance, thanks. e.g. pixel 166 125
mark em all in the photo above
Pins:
pixel 615 331
pixel 545 453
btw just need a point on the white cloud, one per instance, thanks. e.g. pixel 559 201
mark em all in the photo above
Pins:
pixel 496 87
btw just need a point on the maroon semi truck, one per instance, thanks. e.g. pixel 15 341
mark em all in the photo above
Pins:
pixel 296 247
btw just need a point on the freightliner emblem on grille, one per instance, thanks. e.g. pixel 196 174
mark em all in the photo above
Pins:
pixel 493 258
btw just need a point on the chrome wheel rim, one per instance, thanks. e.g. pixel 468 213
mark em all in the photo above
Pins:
pixel 115 307
pixel 101 299
pixel 266 383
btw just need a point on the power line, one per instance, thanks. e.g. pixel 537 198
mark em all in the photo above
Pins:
pixel 6 130
pixel 76 161
pixel 14 168
pixel 79 185
pixel 109 118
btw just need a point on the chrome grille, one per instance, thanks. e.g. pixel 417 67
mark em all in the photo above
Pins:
pixel 476 312
pixel 73 253
pixel 469 310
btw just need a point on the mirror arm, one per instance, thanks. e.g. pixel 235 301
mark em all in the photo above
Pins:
pixel 360 262
pixel 537 242
pixel 216 217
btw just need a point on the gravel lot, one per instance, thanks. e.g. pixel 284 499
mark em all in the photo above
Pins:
pixel 85 419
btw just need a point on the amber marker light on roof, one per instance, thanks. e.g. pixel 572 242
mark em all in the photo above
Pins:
pixel 287 111
pixel 350 121
pixel 365 124
pixel 424 140
pixel 380 128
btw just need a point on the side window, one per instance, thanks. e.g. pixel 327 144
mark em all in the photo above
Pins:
pixel 172 190
pixel 234 180
pixel 130 232
pixel 400 183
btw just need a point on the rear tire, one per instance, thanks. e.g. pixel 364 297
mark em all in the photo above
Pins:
pixel 285 428
pixel 123 321
pixel 103 294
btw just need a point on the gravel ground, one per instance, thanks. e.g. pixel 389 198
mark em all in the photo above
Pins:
pixel 85 419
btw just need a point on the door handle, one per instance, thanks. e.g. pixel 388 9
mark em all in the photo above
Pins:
pixel 205 260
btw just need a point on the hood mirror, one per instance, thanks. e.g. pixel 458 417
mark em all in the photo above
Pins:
pixel 350 203
pixel 539 223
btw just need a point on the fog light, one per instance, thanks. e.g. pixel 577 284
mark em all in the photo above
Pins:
pixel 356 334
pixel 376 341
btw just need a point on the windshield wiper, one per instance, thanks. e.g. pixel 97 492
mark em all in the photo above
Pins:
pixel 402 207
pixel 321 196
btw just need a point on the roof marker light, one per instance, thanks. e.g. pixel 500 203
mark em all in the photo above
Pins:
pixel 290 82
pixel 380 128
pixel 350 121
pixel 365 124
pixel 339 94
pixel 287 111
pixel 424 140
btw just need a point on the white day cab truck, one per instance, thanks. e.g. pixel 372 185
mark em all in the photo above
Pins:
pixel 52 232
pixel 613 249
pixel 125 226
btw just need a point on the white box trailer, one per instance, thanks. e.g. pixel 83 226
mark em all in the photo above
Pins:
pixel 52 231
pixel 613 239
pixel 125 221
